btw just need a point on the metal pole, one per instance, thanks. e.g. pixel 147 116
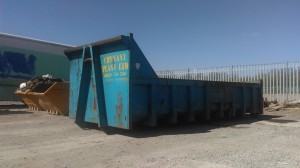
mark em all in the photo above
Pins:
pixel 246 73
pixel 280 81
pixel 199 73
pixel 294 89
pixel 253 72
pixel 284 81
pixel 222 74
pixel 232 74
pixel 290 81
pixel 243 72
pixel 270 81
pixel 211 74
pixel 167 74
pixel 267 81
pixel 207 71
pixel 226 74
pixel 273 82
pixel 238 72
pixel 219 73
pixel 277 80
pixel 229 73
pixel 259 72
pixel 298 82
pixel 250 71
pixel 267 77
pixel 214 74
pixel 264 79
pixel 207 74
pixel 256 72
pixel 193 74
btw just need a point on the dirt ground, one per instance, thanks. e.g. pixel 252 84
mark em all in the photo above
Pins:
pixel 37 139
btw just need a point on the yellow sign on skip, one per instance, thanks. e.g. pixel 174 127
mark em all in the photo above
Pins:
pixel 115 65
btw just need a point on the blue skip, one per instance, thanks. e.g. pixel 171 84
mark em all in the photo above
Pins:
pixel 113 84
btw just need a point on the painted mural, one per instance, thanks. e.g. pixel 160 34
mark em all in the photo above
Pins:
pixel 17 65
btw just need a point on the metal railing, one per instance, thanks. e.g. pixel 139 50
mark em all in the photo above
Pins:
pixel 280 80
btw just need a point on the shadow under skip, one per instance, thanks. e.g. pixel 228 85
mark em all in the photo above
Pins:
pixel 182 127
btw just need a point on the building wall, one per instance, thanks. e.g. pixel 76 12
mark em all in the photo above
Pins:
pixel 22 59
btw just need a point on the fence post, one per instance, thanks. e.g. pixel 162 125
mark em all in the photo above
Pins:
pixel 298 82
pixel 294 88
pixel 280 80
pixel 285 82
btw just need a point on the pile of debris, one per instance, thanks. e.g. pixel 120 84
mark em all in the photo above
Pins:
pixel 39 84
pixel 276 106
pixel 292 104
pixel 268 103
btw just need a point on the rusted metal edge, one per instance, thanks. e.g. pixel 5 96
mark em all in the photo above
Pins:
pixel 97 43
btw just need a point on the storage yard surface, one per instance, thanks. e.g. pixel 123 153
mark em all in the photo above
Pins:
pixel 37 139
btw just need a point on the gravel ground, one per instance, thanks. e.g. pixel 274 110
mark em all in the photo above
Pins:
pixel 37 139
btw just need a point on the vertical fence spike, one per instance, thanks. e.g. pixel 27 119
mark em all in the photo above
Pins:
pixel 280 80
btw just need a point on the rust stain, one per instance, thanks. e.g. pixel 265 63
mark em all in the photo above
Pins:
pixel 119 109
pixel 93 85
pixel 95 105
